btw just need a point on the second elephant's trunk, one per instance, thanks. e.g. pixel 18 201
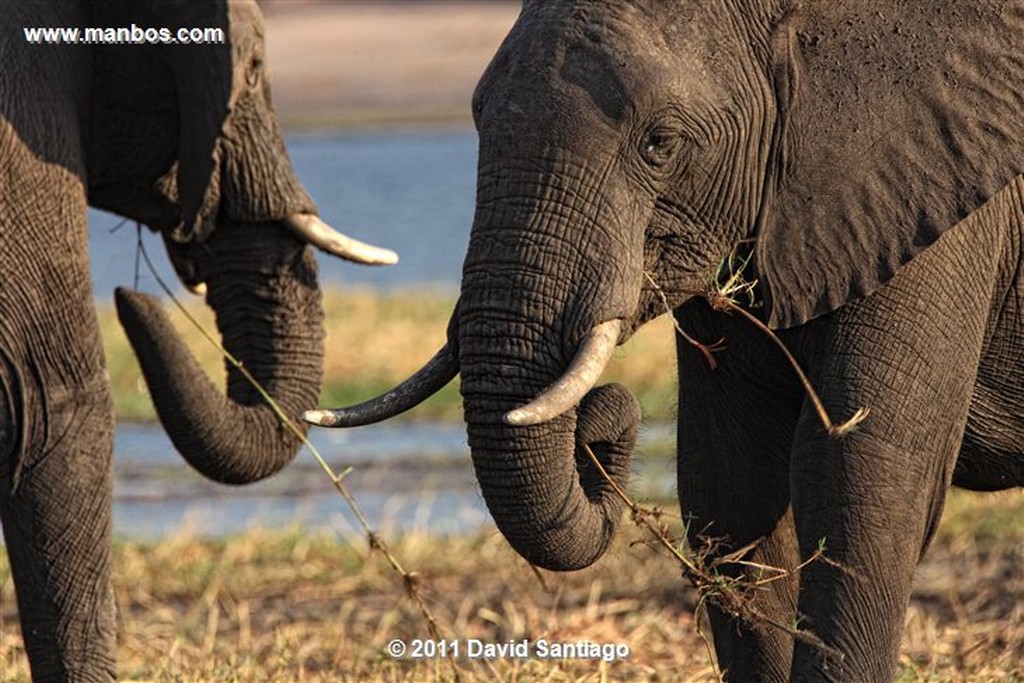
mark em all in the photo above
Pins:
pixel 262 286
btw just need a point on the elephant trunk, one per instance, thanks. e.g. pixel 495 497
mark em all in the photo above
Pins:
pixel 263 289
pixel 546 495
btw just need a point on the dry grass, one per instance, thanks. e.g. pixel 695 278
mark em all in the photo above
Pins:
pixel 283 606
pixel 966 621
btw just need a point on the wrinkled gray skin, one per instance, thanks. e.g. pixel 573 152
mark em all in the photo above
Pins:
pixel 183 139
pixel 869 159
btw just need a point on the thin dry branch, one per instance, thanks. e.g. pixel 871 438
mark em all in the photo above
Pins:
pixel 722 296
pixel 410 580
pixel 707 350
pixel 721 302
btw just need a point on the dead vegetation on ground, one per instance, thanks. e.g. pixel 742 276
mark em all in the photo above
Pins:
pixel 284 606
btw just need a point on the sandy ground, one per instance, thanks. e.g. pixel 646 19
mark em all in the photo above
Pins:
pixel 343 63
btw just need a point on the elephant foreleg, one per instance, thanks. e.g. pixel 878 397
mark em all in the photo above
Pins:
pixel 56 435
pixel 910 352
pixel 55 491
pixel 872 500
pixel 735 432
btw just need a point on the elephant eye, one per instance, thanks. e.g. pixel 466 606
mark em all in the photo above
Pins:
pixel 660 145
pixel 252 75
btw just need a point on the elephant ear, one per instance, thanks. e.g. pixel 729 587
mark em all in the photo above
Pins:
pixel 202 75
pixel 894 124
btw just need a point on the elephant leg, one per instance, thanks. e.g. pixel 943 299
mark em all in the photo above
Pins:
pixel 910 352
pixel 992 454
pixel 55 492
pixel 735 432
pixel 56 436
pixel 873 499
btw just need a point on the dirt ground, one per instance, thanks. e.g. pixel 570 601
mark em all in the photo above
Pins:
pixel 362 63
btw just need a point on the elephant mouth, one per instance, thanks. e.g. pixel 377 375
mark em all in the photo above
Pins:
pixel 308 227
pixel 582 374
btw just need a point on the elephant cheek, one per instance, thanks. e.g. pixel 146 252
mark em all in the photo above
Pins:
pixel 258 182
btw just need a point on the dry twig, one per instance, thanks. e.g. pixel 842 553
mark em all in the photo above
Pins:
pixel 410 580
pixel 724 295
pixel 733 595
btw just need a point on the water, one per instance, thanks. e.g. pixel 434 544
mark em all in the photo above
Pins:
pixel 407 477
pixel 411 191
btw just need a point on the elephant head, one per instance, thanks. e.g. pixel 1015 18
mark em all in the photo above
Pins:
pixel 184 139
pixel 627 148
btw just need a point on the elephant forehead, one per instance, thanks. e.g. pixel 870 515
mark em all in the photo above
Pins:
pixel 621 58
pixel 598 73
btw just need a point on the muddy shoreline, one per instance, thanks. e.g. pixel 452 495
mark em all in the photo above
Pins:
pixel 363 64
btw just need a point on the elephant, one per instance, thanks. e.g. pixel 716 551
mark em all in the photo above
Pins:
pixel 182 138
pixel 864 163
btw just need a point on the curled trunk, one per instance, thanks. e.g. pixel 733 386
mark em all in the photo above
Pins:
pixel 540 312
pixel 262 286
pixel 539 483
pixel 548 499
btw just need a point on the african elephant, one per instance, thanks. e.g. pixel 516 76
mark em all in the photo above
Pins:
pixel 867 160
pixel 183 138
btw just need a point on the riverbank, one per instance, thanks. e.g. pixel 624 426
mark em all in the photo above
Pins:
pixel 343 64
pixel 287 606
pixel 375 339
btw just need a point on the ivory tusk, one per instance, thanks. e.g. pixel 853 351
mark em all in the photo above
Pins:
pixel 585 369
pixel 314 231
pixel 438 371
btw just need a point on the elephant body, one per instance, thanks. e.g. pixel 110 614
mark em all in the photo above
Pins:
pixel 868 161
pixel 182 138
pixel 755 465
